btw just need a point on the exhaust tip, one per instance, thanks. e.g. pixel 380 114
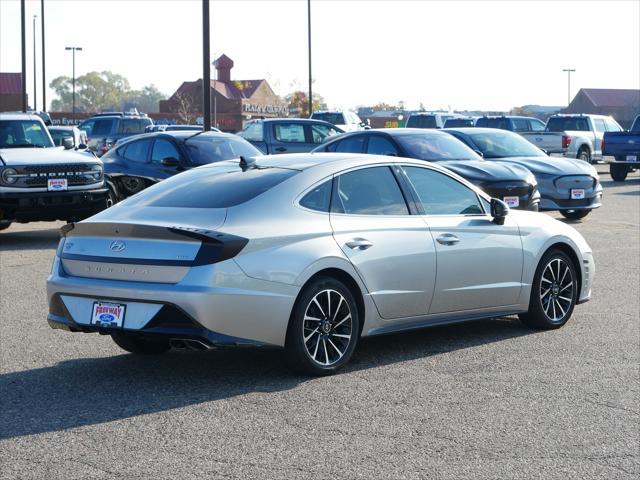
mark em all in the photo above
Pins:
pixel 189 344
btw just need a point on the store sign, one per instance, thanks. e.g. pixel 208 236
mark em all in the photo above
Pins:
pixel 257 109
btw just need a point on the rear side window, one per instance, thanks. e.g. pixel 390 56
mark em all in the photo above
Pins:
pixel 369 191
pixel 137 151
pixel 134 125
pixel 520 125
pixel 318 198
pixel 289 132
pixel 599 124
pixel 102 127
pixel 320 132
pixel 213 187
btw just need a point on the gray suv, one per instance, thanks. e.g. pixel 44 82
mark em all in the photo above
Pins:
pixel 104 131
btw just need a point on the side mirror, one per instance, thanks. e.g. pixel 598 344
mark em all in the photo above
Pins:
pixel 499 210
pixel 170 162
pixel 480 154
pixel 82 146
pixel 544 151
pixel 67 143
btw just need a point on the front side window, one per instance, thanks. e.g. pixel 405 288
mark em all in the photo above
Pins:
pixel 289 132
pixel 520 125
pixel 318 198
pixel 537 125
pixel 369 191
pixel 441 194
pixel 164 149
pixel 320 132
pixel 138 151
pixel 379 145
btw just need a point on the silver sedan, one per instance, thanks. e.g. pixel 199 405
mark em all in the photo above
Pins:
pixel 310 252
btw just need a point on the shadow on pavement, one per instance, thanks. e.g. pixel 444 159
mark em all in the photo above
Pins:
pixel 88 391
pixel 29 239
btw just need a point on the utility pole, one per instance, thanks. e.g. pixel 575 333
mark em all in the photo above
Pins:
pixel 35 76
pixel 24 58
pixel 44 77
pixel 73 80
pixel 309 39
pixel 568 70
pixel 206 67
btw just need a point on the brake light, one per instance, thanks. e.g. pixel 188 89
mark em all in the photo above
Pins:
pixel 602 144
pixel 566 141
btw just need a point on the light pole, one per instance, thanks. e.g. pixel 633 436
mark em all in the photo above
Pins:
pixel 206 67
pixel 73 79
pixel 568 70
pixel 309 39
pixel 24 56
pixel 44 78
pixel 35 77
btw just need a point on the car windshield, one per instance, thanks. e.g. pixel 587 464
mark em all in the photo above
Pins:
pixel 435 147
pixel 23 134
pixel 59 135
pixel 504 144
pixel 560 124
pixel 331 117
pixel 204 149
pixel 422 121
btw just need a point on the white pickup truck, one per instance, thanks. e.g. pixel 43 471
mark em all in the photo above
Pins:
pixel 574 136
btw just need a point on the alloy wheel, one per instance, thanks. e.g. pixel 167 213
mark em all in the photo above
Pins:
pixel 327 327
pixel 556 289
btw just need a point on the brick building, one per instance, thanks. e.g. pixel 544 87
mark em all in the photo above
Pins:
pixel 10 92
pixel 232 101
pixel 623 105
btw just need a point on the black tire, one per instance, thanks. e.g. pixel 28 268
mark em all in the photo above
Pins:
pixel 575 214
pixel 140 345
pixel 4 224
pixel 541 315
pixel 112 198
pixel 327 350
pixel 584 154
pixel 618 171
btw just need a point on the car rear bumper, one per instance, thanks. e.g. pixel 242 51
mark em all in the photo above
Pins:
pixel 71 205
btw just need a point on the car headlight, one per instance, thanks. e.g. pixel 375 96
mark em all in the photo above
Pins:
pixel 96 172
pixel 9 176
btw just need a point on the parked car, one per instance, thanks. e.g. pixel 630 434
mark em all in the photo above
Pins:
pixel 345 120
pixel 176 127
pixel 146 159
pixel 460 122
pixel 104 130
pixel 264 254
pixel 624 147
pixel 513 123
pixel 570 186
pixel 429 119
pixel 287 135
pixel 574 136
pixel 513 184
pixel 79 137
pixel 41 182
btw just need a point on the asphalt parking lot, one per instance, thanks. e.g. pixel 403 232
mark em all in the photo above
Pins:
pixel 490 399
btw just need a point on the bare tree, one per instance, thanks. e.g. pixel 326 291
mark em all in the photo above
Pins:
pixel 185 110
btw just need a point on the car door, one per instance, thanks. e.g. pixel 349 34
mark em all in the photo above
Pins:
pixel 289 137
pixel 392 250
pixel 479 262
pixel 162 149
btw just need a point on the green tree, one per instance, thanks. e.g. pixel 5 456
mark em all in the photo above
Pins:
pixel 382 106
pixel 299 103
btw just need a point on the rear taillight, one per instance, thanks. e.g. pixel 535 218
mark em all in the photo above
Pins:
pixel 602 145
pixel 566 141
pixel 107 143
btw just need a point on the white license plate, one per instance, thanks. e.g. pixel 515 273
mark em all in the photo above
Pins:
pixel 57 184
pixel 632 158
pixel 108 314
pixel 577 193
pixel 513 202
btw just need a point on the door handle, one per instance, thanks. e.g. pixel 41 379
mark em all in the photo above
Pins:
pixel 447 239
pixel 359 244
pixel 281 149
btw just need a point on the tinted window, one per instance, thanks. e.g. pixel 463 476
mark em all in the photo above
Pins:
pixel 253 132
pixel 353 144
pixel 441 194
pixel 23 133
pixel 560 124
pixel 318 198
pixel 204 149
pixel 334 118
pixel 138 151
pixel 213 187
pixel 599 125
pixel 369 191
pixel 320 132
pixel 435 146
pixel 289 132
pixel 381 146
pixel 520 125
pixel 163 149
pixel 134 125
pixel 537 125
pixel 422 121
pixel 504 144
pixel 458 122
pixel 102 127
pixel 500 123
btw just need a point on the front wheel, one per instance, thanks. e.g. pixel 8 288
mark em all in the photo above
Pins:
pixel 618 172
pixel 324 328
pixel 575 214
pixel 553 293
pixel 139 345
pixel 4 224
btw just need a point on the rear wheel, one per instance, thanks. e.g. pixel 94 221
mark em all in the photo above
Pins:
pixel 554 292
pixel 139 345
pixel 584 154
pixel 618 171
pixel 324 328
pixel 4 224
pixel 575 214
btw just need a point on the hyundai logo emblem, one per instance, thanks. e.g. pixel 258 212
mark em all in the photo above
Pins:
pixel 117 246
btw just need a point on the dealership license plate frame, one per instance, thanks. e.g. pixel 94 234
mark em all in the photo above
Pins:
pixel 632 158
pixel 577 194
pixel 57 185
pixel 118 323
pixel 511 201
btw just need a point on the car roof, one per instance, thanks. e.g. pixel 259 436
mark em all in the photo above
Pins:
pixel 19 116
pixel 470 130
pixel 289 120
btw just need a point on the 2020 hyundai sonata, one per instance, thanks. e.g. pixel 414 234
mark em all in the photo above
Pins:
pixel 310 252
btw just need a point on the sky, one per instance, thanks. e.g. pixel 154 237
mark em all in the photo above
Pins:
pixel 490 55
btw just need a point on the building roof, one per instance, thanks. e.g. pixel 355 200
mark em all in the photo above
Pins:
pixel 10 83
pixel 237 89
pixel 611 97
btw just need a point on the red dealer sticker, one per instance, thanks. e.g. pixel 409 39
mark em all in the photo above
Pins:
pixel 108 314
pixel 57 184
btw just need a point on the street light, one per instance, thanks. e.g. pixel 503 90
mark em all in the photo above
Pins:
pixel 569 70
pixel 206 67
pixel 309 39
pixel 35 81
pixel 44 77
pixel 73 79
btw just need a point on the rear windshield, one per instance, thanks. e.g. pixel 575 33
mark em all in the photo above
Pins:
pixel 98 126
pixel 211 187
pixel 500 123
pixel 204 149
pixel 134 125
pixel 23 134
pixel 435 147
pixel 458 122
pixel 560 124
pixel 334 118
pixel 422 121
